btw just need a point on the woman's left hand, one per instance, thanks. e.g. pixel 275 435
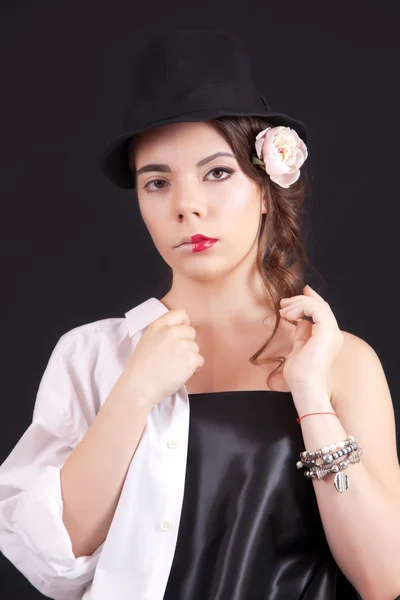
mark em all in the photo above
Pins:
pixel 315 344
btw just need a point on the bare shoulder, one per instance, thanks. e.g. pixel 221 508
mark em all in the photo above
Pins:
pixel 351 343
pixel 355 363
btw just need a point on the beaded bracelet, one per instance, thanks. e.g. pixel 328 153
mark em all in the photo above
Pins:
pixel 322 461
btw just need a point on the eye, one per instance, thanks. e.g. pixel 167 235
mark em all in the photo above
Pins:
pixel 154 181
pixel 221 169
pixel 227 170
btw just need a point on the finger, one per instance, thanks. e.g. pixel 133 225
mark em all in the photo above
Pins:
pixel 315 310
pixel 285 301
pixel 292 318
pixel 311 290
pixel 293 298
pixel 295 303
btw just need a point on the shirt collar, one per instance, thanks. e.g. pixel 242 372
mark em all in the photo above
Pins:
pixel 143 314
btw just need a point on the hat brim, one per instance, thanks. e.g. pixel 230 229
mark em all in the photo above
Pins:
pixel 114 160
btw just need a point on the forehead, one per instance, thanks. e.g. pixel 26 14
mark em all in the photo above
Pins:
pixel 178 139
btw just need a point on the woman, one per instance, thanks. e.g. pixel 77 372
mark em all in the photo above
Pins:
pixel 161 460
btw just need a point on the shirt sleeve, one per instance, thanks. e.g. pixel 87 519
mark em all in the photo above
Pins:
pixel 32 534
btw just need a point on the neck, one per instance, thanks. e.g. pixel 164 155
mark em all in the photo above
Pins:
pixel 231 302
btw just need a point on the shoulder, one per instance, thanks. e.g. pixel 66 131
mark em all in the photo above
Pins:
pixel 351 344
pixel 353 365
pixel 109 331
pixel 360 390
pixel 108 326
pixel 353 356
pixel 89 352
pixel 82 368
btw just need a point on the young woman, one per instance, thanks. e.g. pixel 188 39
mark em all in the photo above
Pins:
pixel 166 453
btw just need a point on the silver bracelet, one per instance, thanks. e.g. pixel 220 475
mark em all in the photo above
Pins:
pixel 321 462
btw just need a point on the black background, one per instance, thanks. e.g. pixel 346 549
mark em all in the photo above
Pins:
pixel 73 247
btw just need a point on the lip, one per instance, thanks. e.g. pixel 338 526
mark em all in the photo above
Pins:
pixel 203 244
pixel 198 237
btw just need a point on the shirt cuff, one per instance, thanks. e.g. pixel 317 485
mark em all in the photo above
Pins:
pixel 37 522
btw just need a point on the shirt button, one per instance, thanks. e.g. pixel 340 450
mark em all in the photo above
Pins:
pixel 172 444
pixel 165 525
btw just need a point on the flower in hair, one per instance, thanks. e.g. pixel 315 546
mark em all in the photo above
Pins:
pixel 281 152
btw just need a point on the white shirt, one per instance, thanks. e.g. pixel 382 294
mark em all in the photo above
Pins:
pixel 135 560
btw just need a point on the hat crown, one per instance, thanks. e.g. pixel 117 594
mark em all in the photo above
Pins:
pixel 182 71
pixel 176 62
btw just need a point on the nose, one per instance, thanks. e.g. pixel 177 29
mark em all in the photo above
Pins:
pixel 187 200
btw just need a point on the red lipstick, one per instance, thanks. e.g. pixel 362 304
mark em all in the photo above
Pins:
pixel 198 237
pixel 203 245
pixel 201 242
pixel 197 243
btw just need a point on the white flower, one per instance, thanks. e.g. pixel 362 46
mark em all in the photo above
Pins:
pixel 283 153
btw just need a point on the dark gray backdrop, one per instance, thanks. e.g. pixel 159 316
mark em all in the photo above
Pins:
pixel 73 247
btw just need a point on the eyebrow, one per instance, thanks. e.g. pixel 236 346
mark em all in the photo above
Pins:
pixel 166 168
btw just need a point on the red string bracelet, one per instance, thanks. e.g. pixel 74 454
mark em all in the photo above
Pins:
pixel 316 413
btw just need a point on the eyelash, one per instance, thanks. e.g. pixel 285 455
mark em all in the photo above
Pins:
pixel 225 169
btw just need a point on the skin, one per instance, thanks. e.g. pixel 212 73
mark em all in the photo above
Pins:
pixel 220 288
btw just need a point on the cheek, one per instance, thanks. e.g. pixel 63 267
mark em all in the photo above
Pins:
pixel 147 212
pixel 242 204
pixel 151 224
pixel 241 214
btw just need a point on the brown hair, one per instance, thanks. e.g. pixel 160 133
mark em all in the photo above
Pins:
pixel 282 256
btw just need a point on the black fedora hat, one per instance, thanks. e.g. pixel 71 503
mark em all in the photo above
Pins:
pixel 188 75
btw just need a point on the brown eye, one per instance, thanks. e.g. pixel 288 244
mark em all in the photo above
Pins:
pixel 221 170
pixel 154 181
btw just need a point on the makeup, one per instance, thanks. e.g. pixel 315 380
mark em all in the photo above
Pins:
pixel 197 246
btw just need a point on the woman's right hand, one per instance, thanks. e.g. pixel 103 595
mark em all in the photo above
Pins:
pixel 165 357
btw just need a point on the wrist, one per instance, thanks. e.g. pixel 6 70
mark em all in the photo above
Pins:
pixel 308 400
pixel 132 392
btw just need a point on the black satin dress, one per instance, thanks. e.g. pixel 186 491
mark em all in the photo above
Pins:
pixel 250 527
